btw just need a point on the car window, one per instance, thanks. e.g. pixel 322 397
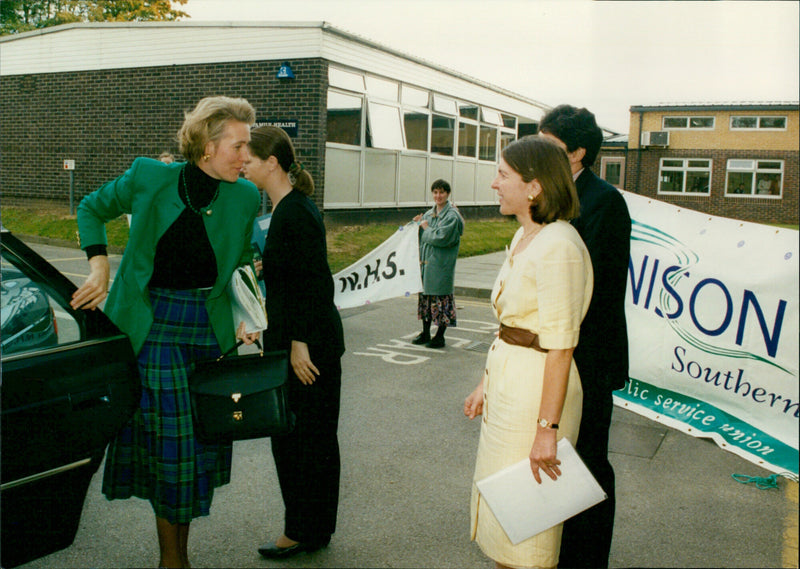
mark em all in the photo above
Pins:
pixel 30 316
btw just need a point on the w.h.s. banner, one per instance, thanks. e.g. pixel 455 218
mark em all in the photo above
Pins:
pixel 388 271
pixel 712 311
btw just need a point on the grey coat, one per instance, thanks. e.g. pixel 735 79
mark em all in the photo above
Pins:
pixel 438 249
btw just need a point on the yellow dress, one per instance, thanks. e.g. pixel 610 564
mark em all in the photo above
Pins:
pixel 546 288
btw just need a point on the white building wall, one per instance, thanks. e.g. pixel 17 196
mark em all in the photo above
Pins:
pixel 372 177
pixel 84 47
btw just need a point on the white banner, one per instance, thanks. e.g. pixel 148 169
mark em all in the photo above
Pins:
pixel 388 271
pixel 712 310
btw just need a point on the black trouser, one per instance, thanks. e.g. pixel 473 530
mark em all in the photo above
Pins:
pixel 307 459
pixel 586 541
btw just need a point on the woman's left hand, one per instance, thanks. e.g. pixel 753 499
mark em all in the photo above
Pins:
pixel 543 454
pixel 303 368
pixel 244 336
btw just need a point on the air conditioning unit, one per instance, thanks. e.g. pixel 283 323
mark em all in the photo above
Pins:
pixel 655 138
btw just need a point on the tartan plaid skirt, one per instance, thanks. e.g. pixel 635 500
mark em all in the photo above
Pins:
pixel 156 455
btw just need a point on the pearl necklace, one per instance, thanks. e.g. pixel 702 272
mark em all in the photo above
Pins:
pixel 207 208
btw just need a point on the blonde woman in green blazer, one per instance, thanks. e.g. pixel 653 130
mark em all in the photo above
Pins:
pixel 190 228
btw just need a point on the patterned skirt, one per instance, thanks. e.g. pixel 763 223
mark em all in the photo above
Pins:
pixel 441 310
pixel 156 455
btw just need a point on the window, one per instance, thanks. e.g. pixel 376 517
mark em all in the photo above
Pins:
pixel 467 138
pixel 414 97
pixel 384 129
pixel 774 123
pixel 468 111
pixel 416 125
pixel 758 123
pixel 32 316
pixel 612 170
pixel 744 123
pixel 344 118
pixel 702 123
pixel 345 79
pixel 487 147
pixel 506 138
pixel 491 117
pixel 684 176
pixel 442 135
pixel 381 88
pixel 755 178
pixel 509 121
pixel 444 105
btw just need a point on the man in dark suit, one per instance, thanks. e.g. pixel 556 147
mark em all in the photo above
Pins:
pixel 602 351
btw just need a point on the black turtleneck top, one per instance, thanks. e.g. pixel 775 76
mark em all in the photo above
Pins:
pixel 184 258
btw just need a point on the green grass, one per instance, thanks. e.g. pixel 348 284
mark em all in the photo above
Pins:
pixel 56 223
pixel 346 243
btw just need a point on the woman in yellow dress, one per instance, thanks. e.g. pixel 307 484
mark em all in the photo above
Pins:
pixel 530 394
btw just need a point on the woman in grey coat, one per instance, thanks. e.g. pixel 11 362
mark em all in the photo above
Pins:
pixel 440 230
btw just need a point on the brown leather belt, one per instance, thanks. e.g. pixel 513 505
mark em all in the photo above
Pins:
pixel 520 337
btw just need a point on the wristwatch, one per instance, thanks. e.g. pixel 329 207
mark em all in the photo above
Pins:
pixel 545 424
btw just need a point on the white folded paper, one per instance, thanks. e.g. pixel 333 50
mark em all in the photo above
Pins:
pixel 246 301
pixel 525 508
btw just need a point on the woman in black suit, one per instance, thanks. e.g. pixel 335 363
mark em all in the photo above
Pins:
pixel 303 319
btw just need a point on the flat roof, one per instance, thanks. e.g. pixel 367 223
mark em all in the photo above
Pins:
pixel 220 26
pixel 721 106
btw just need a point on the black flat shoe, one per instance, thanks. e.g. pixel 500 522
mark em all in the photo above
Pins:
pixel 422 338
pixel 272 551
pixel 436 342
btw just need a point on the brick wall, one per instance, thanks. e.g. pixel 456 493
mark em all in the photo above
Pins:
pixel 104 119
pixel 644 180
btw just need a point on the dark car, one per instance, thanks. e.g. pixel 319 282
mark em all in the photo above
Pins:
pixel 69 382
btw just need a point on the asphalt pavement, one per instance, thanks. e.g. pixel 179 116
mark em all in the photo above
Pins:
pixel 408 454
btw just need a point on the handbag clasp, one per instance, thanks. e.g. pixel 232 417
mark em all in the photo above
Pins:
pixel 237 415
pixel 236 397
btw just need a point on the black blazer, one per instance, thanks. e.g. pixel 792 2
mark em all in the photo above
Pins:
pixel 298 281
pixel 605 226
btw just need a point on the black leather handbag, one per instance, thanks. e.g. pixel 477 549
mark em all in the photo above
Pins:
pixel 241 397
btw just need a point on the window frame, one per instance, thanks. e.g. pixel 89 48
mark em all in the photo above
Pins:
pixel 378 89
pixel 688 125
pixel 758 126
pixel 407 94
pixel 453 138
pixel 344 79
pixel 377 114
pixel 754 170
pixel 362 122
pixel 605 161
pixel 686 169
pixel 488 128
pixel 467 126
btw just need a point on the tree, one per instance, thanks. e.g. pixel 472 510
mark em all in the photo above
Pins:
pixel 18 16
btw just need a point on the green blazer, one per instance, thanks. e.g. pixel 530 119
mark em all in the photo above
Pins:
pixel 149 191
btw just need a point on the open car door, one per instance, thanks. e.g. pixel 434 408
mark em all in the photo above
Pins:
pixel 69 382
